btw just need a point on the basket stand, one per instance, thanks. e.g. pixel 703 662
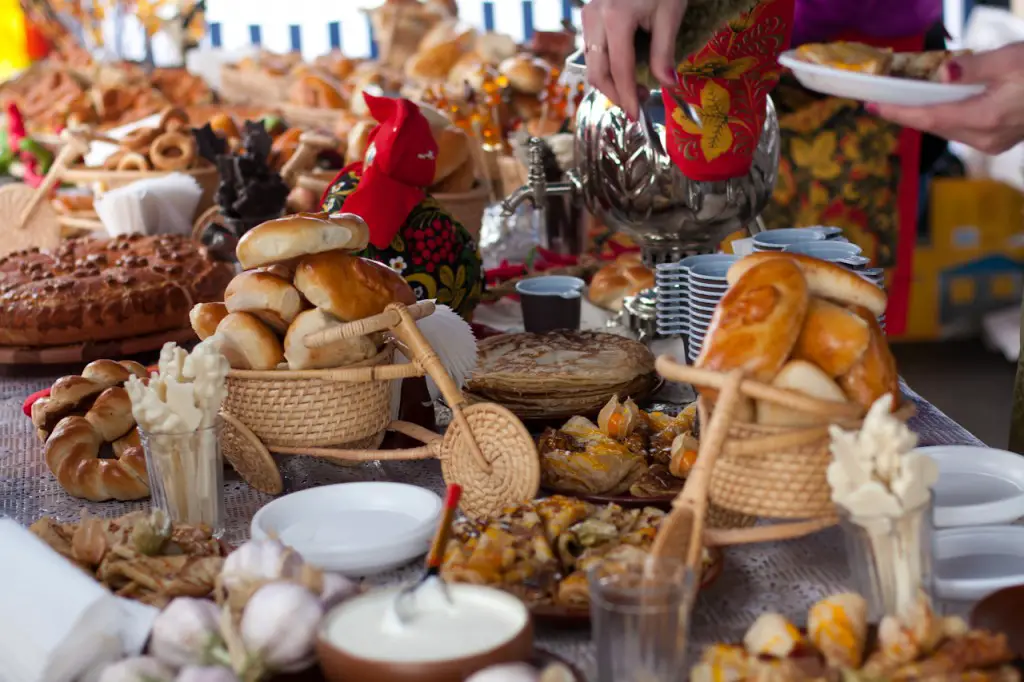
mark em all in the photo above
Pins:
pixel 725 438
pixel 485 449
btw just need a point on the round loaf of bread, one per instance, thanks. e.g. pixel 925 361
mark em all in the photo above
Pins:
pixel 824 279
pixel 833 337
pixel 72 455
pixel 875 373
pixel 616 281
pixel 348 287
pixel 758 321
pixel 299 235
pixel 526 74
pixel 270 298
pixel 338 354
pixel 205 317
pixel 247 343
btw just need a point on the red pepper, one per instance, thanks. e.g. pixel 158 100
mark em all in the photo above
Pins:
pixel 32 177
pixel 556 259
pixel 15 125
pixel 26 407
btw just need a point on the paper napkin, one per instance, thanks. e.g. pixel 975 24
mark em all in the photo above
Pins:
pixel 57 624
pixel 163 205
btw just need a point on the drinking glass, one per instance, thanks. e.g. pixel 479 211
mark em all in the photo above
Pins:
pixel 640 614
pixel 186 475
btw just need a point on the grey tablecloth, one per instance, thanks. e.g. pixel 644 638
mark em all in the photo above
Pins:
pixel 784 577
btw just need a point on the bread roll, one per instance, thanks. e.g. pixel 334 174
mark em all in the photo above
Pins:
pixel 348 287
pixel 874 374
pixel 111 414
pixel 294 236
pixel 339 354
pixel 526 74
pixel 453 151
pixel 247 343
pixel 616 281
pixel 468 70
pixel 494 48
pixel 358 140
pixel 459 182
pixel 272 299
pixel 799 375
pixel 833 337
pixel 757 322
pixel 205 317
pixel 433 63
pixel 824 279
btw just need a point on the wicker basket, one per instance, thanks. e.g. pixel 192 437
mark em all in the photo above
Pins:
pixel 467 207
pixel 250 87
pixel 81 176
pixel 298 411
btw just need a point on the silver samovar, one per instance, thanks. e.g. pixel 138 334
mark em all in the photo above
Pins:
pixel 625 179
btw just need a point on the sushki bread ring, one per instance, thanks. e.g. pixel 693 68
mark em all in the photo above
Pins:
pixel 139 140
pixel 173 119
pixel 173 151
pixel 111 162
pixel 133 161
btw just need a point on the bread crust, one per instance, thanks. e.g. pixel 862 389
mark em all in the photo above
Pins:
pixel 348 287
pixel 875 373
pixel 104 289
pixel 248 343
pixel 833 337
pixel 272 299
pixel 302 234
pixel 205 317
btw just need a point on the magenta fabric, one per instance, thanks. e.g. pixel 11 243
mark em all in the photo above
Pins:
pixel 818 21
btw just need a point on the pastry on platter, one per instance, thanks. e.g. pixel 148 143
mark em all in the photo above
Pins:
pixel 878 61
pixel 628 451
pixel 541 550
pixel 104 289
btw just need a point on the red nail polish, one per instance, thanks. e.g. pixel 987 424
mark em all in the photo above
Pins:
pixel 871 108
pixel 954 71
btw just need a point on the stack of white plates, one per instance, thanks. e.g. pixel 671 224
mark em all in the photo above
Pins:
pixel 672 281
pixel 707 286
pixel 778 240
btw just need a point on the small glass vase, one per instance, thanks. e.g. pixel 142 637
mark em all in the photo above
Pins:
pixel 186 475
pixel 891 560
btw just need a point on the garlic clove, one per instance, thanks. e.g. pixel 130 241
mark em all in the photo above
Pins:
pixel 336 589
pixel 557 672
pixel 279 625
pixel 506 672
pixel 258 561
pixel 206 674
pixel 138 669
pixel 186 632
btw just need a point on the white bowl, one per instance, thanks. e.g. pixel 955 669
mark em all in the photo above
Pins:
pixel 972 563
pixel 355 529
pixel 977 486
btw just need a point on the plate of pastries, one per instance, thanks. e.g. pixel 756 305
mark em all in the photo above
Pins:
pixel 559 374
pixel 874 74
pixel 630 456
pixel 540 551
pixel 840 644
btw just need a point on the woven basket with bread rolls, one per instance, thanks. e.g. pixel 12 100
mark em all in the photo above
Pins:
pixel 300 279
pixel 806 336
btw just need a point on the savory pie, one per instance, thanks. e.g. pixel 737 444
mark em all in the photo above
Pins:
pixel 629 451
pixel 541 550
pixel 878 61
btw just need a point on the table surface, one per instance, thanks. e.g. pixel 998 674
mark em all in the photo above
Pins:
pixel 783 577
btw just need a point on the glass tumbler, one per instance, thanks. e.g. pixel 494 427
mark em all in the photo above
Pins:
pixel 186 475
pixel 891 560
pixel 640 614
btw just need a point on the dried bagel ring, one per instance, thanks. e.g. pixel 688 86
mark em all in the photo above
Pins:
pixel 172 120
pixel 173 151
pixel 139 140
pixel 112 161
pixel 134 161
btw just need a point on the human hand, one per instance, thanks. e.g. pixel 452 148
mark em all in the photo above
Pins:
pixel 992 122
pixel 609 28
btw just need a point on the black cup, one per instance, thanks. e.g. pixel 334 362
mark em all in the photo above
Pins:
pixel 551 302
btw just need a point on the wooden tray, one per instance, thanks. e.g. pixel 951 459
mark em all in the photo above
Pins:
pixel 87 352
pixel 564 617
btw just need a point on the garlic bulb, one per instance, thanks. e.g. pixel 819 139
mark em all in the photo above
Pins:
pixel 206 674
pixel 186 632
pixel 557 672
pixel 336 589
pixel 506 672
pixel 260 560
pixel 279 626
pixel 617 420
pixel 139 669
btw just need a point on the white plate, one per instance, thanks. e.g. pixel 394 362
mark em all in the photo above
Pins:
pixel 977 486
pixel 356 529
pixel 868 88
pixel 972 563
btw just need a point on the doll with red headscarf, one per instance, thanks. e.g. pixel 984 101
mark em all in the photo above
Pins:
pixel 409 230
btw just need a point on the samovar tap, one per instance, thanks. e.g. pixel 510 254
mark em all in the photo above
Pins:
pixel 537 189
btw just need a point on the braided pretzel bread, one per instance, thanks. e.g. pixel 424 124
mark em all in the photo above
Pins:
pixel 72 454
pixel 75 395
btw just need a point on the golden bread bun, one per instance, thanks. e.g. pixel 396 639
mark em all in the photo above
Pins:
pixel 282 270
pixel 316 92
pixel 874 374
pixel 757 322
pixel 619 280
pixel 494 48
pixel 294 236
pixel 358 140
pixel 348 287
pixel 469 69
pixel 336 64
pixel 807 378
pixel 833 337
pixel 247 343
pixel 459 182
pixel 224 126
pixel 453 151
pixel 111 414
pixel 526 74
pixel 205 317
pixel 339 354
pixel 824 279
pixel 433 63
pixel 272 299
